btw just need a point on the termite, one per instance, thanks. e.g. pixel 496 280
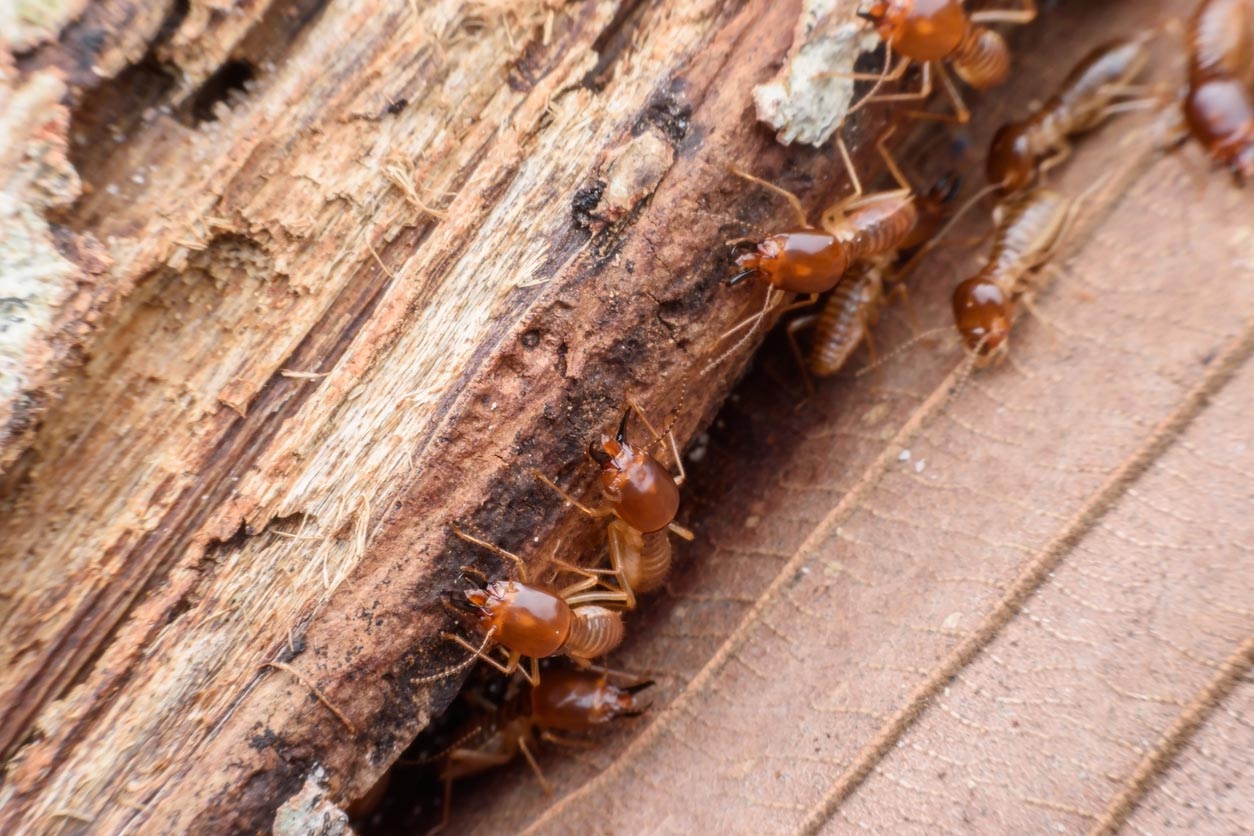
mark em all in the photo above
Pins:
pixel 566 700
pixel 936 32
pixel 1095 88
pixel 1029 227
pixel 536 620
pixel 1219 105
pixel 643 497
pixel 639 489
pixel 812 261
pixel 854 304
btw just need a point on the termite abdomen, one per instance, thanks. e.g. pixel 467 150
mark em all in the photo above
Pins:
pixel 982 60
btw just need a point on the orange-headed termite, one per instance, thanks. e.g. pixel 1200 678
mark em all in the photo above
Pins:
pixel 536 620
pixel 853 305
pixel 566 700
pixel 639 490
pixel 812 261
pixel 936 32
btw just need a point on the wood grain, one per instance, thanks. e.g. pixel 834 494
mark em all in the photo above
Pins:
pixel 362 278
pixel 350 271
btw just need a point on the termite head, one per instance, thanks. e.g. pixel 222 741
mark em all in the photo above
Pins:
pixel 930 211
pixel 1011 162
pixel 801 261
pixel 640 488
pixel 983 315
pixel 478 606
pixel 923 30
pixel 943 190
pixel 531 620
pixel 1220 115
pixel 579 700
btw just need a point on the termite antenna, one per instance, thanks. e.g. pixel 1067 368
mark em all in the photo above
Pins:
pixel 474 732
pixel 758 319
pixel 732 220
pixel 899 350
pixel 935 241
pixel 964 375
pixel 460 666
pixel 674 417
pixel 879 81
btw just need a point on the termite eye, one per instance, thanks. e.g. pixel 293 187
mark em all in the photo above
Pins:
pixel 946 188
pixel 598 454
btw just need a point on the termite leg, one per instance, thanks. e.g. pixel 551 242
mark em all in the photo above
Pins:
pixel 497 550
pixel 448 805
pixel 866 335
pixel 570 742
pixel 800 324
pixel 607 595
pixel 679 460
pixel 899 290
pixel 1144 102
pixel 889 75
pixel 846 201
pixel 890 161
pixel 961 114
pixel 617 545
pixel 535 767
pixel 640 681
pixel 857 199
pixel 1025 14
pixel 679 531
pixel 485 759
pixel 793 200
pixel 1055 159
pixel 591 579
pixel 1030 307
pixel 925 90
pixel 804 303
pixel 600 512
pixel 476 757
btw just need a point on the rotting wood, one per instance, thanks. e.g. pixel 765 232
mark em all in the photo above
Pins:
pixel 353 296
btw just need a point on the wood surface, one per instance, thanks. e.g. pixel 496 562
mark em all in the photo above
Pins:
pixel 335 275
pixel 317 315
